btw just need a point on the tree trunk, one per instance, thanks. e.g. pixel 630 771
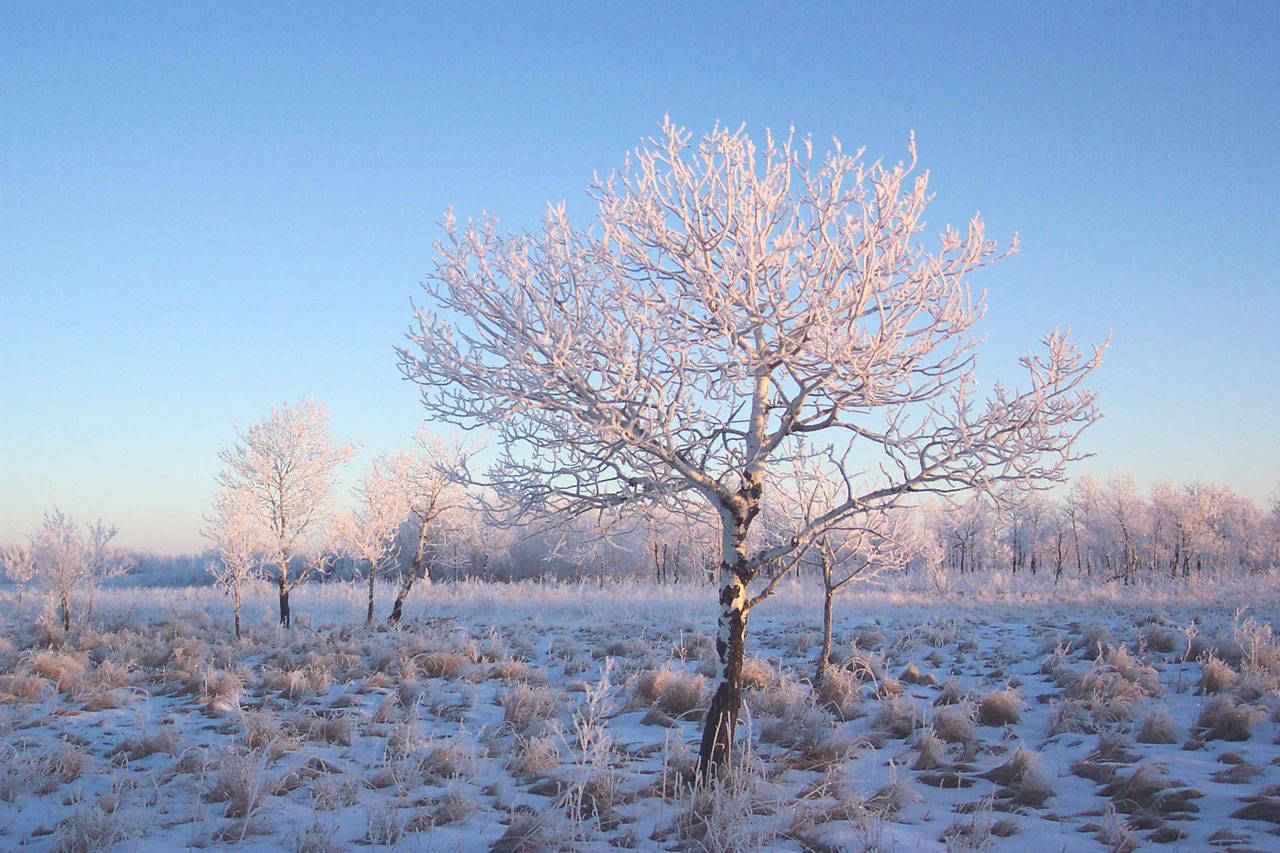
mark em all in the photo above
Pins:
pixel 284 594
pixel 368 619
pixel 824 654
pixel 412 575
pixel 722 716
pixel 65 598
pixel 236 604
pixel 736 513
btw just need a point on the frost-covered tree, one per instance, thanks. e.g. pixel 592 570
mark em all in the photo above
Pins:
pixel 287 463
pixel 428 480
pixel 19 565
pixel 239 543
pixel 66 560
pixel 368 533
pixel 728 302
pixel 860 548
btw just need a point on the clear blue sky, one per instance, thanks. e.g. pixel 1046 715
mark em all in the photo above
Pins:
pixel 210 208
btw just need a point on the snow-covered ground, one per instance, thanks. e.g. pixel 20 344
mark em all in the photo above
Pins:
pixel 1005 715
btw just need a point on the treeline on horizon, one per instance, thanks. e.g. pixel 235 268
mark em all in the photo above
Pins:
pixel 1100 531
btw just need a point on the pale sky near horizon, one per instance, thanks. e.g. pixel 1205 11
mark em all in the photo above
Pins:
pixel 207 209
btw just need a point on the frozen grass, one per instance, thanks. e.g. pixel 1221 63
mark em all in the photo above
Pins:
pixel 561 716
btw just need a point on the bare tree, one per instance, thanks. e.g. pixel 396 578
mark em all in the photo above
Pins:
pixel 730 302
pixel 239 541
pixel 368 533
pixel 429 482
pixel 287 463
pixel 858 548
pixel 64 560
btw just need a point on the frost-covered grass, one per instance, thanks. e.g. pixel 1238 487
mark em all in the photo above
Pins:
pixel 550 716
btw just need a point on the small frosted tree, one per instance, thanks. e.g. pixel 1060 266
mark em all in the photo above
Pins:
pixel 19 567
pixel 239 542
pixel 429 479
pixel 65 560
pixel 858 548
pixel 287 463
pixel 368 533
pixel 729 302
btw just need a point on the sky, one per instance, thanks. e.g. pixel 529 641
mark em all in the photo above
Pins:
pixel 207 209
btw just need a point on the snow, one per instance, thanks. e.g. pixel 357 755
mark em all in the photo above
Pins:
pixel 517 717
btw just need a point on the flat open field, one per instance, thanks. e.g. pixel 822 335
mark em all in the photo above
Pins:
pixel 565 717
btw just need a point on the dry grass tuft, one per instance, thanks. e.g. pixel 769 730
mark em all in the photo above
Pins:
pixel 893 796
pixel 535 755
pixel 449 761
pixel 1263 808
pixel 62 669
pixel 1096 639
pixel 525 834
pixel 336 730
pixel 675 692
pixel 759 674
pixel 1222 718
pixel 1024 782
pixel 897 716
pixel 238 782
pixel 837 693
pixel 932 753
pixel 510 671
pixel 1000 708
pixel 1158 638
pixel 455 806
pixel 524 705
pixel 1159 727
pixel 1148 790
pixel 912 675
pixel 681 694
pixel 954 724
pixel 951 693
pixel 865 666
pixel 88 830
pixel 1216 675
pixel 442 664
pixel 1237 774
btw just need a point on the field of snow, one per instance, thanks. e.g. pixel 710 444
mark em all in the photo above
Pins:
pixel 532 716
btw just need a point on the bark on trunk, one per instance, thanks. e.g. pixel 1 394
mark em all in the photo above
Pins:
pixel 407 583
pixel 736 514
pixel 368 619
pixel 824 654
pixel 284 595
pixel 66 610
pixel 237 609
pixel 722 716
